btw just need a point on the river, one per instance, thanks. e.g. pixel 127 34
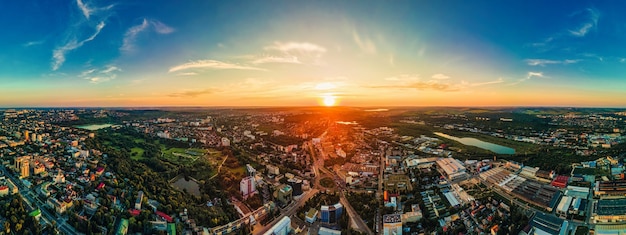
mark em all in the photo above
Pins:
pixel 499 149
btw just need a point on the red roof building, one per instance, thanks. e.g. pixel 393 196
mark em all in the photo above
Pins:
pixel 164 216
pixel 134 212
pixel 100 186
pixel 560 181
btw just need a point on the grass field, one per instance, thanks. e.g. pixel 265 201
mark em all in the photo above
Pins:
pixel 136 153
pixel 182 155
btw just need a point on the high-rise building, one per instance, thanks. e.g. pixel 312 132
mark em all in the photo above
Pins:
pixel 24 169
pixel 247 187
pixel 331 214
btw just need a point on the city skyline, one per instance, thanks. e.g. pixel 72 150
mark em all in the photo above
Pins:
pixel 283 53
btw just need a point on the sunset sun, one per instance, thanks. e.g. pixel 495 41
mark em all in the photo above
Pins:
pixel 329 101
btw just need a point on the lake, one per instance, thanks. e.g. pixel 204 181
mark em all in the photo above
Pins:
pixel 499 149
pixel 94 127
pixel 191 186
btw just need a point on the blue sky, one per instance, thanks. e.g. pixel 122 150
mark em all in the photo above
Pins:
pixel 365 53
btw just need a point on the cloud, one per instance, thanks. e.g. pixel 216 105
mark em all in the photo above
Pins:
pixel 499 80
pixel 404 78
pixel 440 76
pixel 211 64
pixel 58 55
pixel 147 24
pixel 366 45
pixel 421 85
pixel 622 60
pixel 193 93
pixel 277 59
pixel 543 62
pixel 529 76
pixel 590 19
pixel 188 74
pixel 105 74
pixel 33 43
pixel 299 47
pixel 83 7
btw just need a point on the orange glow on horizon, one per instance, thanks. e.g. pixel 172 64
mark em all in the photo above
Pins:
pixel 329 101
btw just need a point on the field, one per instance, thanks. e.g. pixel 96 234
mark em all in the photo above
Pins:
pixel 182 156
pixel 136 153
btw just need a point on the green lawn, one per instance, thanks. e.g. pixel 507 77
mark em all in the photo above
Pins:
pixel 184 156
pixel 136 153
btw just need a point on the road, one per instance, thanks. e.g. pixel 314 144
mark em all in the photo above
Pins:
pixel 30 198
pixel 289 211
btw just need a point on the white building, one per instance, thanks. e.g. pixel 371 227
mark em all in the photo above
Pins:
pixel 225 141
pixel 247 186
pixel 452 168
pixel 283 227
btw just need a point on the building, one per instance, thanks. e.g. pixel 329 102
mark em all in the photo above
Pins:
pixel 139 200
pixel 311 215
pixel 610 211
pixel 26 136
pixel 247 186
pixel 413 216
pixel 452 168
pixel 529 172
pixel 24 169
pixel 283 227
pixel 58 206
pixel 328 231
pixel 331 214
pixel 284 194
pixel 274 170
pixel 545 224
pixel 392 224
pixel 225 142
pixel 560 181
pixel 251 171
pixel 610 189
pixel 4 190
pixel 296 185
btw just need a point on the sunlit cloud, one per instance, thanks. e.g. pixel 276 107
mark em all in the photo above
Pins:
pixel 58 55
pixel 277 59
pixel 365 44
pixel 543 62
pixel 404 77
pixel 499 80
pixel 211 64
pixel 325 86
pixel 529 76
pixel 440 76
pixel 193 93
pixel 131 35
pixel 105 74
pixel 300 47
pixel 423 85
pixel 590 21
pixel 188 74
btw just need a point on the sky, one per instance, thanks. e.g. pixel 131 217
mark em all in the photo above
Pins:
pixel 82 53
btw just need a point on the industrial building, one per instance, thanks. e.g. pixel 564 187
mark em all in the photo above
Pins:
pixel 452 169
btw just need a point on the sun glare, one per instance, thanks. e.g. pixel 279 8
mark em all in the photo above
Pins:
pixel 329 101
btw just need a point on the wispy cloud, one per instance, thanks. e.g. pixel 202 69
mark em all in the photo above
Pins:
pixel 277 59
pixel 423 85
pixel 529 76
pixel 188 74
pixel 499 80
pixel 58 55
pixel 147 24
pixel 83 7
pixel 33 43
pixel 440 76
pixel 404 78
pixel 211 64
pixel 589 20
pixel 105 74
pixel 365 44
pixel 544 62
pixel 300 47
pixel 193 93
pixel 293 53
